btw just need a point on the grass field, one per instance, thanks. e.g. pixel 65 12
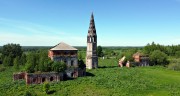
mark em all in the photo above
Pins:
pixel 108 80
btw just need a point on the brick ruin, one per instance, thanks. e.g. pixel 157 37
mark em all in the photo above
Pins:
pixel 141 59
pixel 38 78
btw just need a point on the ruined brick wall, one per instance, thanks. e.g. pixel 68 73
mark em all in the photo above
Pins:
pixel 19 76
pixel 38 78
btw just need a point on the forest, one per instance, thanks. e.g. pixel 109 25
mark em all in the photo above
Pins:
pixel 160 78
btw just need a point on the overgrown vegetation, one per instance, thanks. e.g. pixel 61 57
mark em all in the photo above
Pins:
pixel 108 79
pixel 175 64
pixel 46 87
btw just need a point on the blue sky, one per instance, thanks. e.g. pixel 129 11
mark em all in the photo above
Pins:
pixel 118 22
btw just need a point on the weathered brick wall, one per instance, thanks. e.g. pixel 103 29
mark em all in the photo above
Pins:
pixel 38 78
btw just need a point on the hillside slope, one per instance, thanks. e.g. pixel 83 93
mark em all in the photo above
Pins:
pixel 107 80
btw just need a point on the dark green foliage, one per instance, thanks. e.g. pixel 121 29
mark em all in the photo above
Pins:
pixel 128 54
pixel 12 50
pixel 81 64
pixel 38 61
pixel 100 51
pixel 29 68
pixel 158 58
pixel 46 87
pixel 32 61
pixel 2 68
pixel 8 61
pixel 58 66
pixel 17 62
pixel 177 54
pixel 150 48
pixel 23 59
pixel 80 55
pixel 41 66
pixel 1 58
pixel 44 62
pixel 169 50
pixel 108 52
pixel 27 93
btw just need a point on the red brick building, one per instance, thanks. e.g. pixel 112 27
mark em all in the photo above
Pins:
pixel 64 52
pixel 141 59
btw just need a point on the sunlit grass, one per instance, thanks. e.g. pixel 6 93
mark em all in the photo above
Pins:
pixel 108 80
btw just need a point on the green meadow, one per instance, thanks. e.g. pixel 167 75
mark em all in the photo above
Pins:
pixel 107 80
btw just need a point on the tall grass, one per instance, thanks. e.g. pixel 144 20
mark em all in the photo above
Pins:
pixel 108 80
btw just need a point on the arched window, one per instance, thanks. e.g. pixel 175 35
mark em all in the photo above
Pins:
pixel 43 79
pixel 65 61
pixel 87 38
pixel 90 39
pixel 94 38
pixel 51 78
pixel 34 80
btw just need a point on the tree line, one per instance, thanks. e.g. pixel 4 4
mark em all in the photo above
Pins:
pixel 158 54
pixel 12 55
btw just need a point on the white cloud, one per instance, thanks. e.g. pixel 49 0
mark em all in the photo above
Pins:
pixel 39 40
pixel 29 34
pixel 29 27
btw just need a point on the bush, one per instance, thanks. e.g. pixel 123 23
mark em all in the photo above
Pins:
pixel 58 66
pixel 29 68
pixel 174 66
pixel 177 54
pixel 16 63
pixel 46 87
pixel 2 69
pixel 27 93
pixel 8 61
pixel 158 58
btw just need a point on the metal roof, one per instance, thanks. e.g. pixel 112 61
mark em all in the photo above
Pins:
pixel 63 46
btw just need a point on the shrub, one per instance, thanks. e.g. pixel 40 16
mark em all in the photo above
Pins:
pixel 8 61
pixel 46 87
pixel 27 93
pixel 58 66
pixel 16 63
pixel 2 69
pixel 158 58
pixel 177 54
pixel 174 66
pixel 29 68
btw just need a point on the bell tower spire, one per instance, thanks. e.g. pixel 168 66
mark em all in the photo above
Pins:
pixel 91 53
pixel 92 24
